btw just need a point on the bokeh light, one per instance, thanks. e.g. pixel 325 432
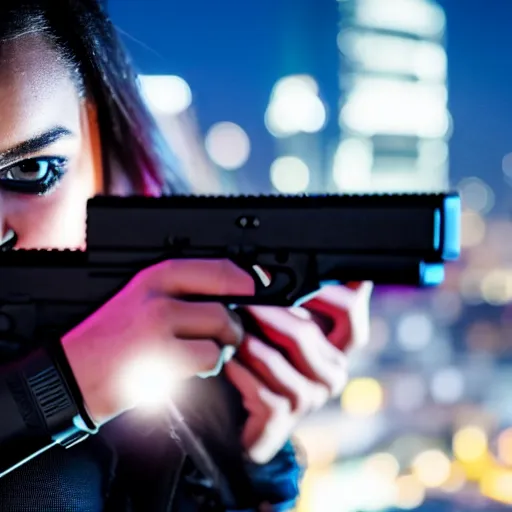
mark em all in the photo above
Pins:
pixel 476 195
pixel 456 480
pixel 496 483
pixel 305 83
pixel 447 385
pixel 432 468
pixel 497 286
pixel 384 464
pixel 362 397
pixel 387 105
pixel 295 107
pixel 506 165
pixel 319 445
pixel 470 444
pixel 228 145
pixel 352 162
pixel 410 493
pixel 419 18
pixel 290 175
pixel 415 331
pixel 166 94
pixel 390 53
pixel 504 446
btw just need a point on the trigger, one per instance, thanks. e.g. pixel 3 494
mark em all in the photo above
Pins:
pixel 264 276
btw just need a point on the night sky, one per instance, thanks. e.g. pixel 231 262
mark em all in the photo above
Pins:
pixel 232 52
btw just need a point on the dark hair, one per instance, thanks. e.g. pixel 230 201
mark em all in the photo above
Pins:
pixel 82 31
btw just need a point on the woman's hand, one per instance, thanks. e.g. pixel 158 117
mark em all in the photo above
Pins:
pixel 306 367
pixel 146 318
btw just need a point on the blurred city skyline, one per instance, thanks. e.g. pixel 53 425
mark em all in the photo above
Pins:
pixel 233 53
pixel 426 419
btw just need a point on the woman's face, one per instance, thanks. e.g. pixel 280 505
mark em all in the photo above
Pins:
pixel 48 147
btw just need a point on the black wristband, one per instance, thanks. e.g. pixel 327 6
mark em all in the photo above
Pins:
pixel 42 391
pixel 61 360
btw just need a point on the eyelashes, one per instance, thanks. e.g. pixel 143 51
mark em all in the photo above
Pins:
pixel 35 176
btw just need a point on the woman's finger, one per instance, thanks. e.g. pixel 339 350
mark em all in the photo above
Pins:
pixel 280 376
pixel 203 277
pixel 205 320
pixel 270 417
pixel 348 309
pixel 304 344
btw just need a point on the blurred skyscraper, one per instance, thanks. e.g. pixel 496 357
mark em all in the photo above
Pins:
pixel 393 108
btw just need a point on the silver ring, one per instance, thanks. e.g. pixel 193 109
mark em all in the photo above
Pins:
pixel 226 354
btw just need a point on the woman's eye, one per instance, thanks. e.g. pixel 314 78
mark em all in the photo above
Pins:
pixel 35 176
pixel 33 170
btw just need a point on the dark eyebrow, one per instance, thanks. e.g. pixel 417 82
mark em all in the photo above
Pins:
pixel 34 144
